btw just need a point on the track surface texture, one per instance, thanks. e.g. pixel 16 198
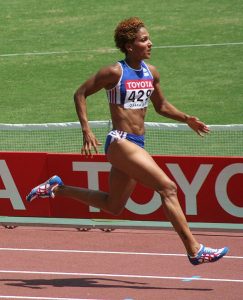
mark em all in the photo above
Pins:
pixel 43 263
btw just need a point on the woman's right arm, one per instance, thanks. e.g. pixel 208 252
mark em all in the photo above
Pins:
pixel 104 78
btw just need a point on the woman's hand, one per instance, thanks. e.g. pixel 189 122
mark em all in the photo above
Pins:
pixel 198 126
pixel 89 142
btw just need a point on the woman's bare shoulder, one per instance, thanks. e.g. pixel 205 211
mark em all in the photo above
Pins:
pixel 111 73
pixel 153 70
pixel 112 70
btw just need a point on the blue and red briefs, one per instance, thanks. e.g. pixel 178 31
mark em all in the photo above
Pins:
pixel 118 135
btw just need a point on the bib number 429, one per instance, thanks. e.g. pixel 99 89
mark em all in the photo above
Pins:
pixel 139 95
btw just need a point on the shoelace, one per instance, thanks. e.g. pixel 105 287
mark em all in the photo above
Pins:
pixel 43 189
pixel 209 254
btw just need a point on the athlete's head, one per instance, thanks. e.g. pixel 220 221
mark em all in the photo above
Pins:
pixel 126 32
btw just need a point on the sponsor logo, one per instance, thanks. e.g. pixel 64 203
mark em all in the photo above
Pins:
pixel 138 84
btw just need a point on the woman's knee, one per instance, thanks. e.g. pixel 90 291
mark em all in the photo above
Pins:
pixel 168 190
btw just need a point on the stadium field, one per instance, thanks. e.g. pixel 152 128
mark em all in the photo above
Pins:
pixel 48 47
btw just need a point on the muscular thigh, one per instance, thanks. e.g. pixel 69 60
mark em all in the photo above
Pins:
pixel 137 163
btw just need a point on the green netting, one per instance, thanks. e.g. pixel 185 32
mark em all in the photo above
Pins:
pixel 161 138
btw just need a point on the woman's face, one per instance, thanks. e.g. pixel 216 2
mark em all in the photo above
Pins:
pixel 142 45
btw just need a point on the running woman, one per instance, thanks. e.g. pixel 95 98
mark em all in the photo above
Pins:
pixel 130 84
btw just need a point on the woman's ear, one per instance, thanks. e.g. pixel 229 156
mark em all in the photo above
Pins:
pixel 128 47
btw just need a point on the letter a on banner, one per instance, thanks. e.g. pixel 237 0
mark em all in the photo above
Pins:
pixel 11 190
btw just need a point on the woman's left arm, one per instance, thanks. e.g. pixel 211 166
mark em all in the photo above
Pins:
pixel 163 107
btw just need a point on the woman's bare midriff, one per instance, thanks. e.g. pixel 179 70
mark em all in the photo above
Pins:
pixel 129 120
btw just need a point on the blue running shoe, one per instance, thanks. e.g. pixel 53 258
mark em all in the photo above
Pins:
pixel 45 189
pixel 207 255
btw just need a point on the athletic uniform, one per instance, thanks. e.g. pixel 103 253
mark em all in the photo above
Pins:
pixel 132 91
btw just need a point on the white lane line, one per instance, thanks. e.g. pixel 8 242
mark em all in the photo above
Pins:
pixel 90 251
pixel 104 50
pixel 57 52
pixel 103 252
pixel 199 45
pixel 100 275
pixel 41 298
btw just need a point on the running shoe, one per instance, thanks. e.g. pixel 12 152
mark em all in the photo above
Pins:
pixel 45 190
pixel 207 255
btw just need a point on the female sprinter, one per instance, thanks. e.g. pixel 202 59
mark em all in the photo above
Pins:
pixel 129 85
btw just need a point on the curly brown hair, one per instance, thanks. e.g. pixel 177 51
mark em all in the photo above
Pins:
pixel 126 32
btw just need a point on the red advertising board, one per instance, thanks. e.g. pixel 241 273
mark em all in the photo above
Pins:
pixel 19 171
pixel 210 189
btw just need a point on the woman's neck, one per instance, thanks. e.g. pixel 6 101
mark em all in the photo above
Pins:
pixel 134 64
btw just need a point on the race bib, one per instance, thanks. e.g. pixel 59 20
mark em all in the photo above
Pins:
pixel 138 93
